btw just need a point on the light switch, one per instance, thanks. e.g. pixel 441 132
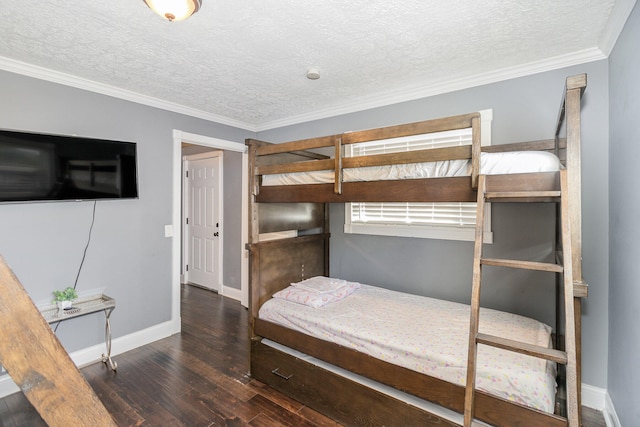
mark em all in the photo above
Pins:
pixel 168 231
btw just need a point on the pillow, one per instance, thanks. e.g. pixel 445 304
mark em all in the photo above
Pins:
pixel 313 298
pixel 321 284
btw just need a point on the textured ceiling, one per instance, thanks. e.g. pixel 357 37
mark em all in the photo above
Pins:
pixel 244 63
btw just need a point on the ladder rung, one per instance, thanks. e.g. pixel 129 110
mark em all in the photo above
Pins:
pixel 527 265
pixel 580 289
pixel 521 196
pixel 524 348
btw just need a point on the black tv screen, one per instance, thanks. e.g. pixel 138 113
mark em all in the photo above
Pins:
pixel 40 167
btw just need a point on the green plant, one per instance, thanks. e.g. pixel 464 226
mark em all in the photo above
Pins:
pixel 68 294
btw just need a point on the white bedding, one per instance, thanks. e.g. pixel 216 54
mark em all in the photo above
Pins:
pixel 429 336
pixel 490 164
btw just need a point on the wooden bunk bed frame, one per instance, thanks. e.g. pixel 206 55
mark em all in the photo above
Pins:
pixel 274 264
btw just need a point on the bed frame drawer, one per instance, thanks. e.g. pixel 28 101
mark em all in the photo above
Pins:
pixel 339 398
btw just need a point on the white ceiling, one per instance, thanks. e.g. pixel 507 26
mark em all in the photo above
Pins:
pixel 244 63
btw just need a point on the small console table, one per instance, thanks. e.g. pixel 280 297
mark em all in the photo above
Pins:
pixel 81 307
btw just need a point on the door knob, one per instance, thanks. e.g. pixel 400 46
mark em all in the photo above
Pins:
pixel 216 234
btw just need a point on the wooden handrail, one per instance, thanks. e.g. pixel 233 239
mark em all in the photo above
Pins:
pixel 462 121
pixel 337 179
pixel 288 147
pixel 579 82
pixel 570 113
pixel 475 151
pixel 304 166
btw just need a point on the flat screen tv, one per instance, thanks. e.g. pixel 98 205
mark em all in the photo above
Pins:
pixel 42 167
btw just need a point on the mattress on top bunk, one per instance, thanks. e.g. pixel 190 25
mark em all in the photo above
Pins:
pixel 490 164
pixel 429 336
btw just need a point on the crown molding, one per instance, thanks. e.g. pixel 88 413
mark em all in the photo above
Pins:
pixel 408 93
pixel 411 93
pixel 621 11
pixel 42 73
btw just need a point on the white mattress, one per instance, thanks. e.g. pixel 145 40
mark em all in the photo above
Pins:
pixel 490 164
pixel 429 336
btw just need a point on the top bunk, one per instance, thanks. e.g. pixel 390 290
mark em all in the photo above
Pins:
pixel 341 168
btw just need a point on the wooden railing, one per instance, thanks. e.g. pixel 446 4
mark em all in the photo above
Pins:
pixel 340 162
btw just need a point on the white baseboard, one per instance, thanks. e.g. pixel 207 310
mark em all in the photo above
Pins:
pixel 232 293
pixel 593 397
pixel 598 398
pixel 610 415
pixel 7 386
pixel 94 353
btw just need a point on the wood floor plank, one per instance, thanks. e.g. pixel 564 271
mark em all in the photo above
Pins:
pixel 189 409
pixel 275 396
pixel 192 379
pixel 234 383
pixel 127 415
pixel 18 412
pixel 264 421
pixel 316 418
pixel 278 413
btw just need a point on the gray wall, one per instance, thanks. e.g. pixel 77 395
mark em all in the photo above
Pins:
pixel 624 243
pixel 524 109
pixel 128 257
pixel 232 227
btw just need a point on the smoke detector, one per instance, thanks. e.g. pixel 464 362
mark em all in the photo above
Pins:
pixel 313 73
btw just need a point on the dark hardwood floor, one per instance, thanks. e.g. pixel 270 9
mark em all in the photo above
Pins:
pixel 196 378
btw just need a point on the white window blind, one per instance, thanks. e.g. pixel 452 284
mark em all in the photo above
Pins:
pixel 445 214
pixel 440 220
pixel 449 138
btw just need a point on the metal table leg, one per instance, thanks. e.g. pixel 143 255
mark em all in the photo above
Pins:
pixel 106 358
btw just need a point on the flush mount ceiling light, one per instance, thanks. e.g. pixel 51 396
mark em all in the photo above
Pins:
pixel 174 10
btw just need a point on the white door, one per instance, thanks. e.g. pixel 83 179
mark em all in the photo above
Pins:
pixel 204 194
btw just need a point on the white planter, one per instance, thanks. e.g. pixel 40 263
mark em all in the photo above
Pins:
pixel 64 304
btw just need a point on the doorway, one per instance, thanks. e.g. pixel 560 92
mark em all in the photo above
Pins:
pixel 203 208
pixel 238 252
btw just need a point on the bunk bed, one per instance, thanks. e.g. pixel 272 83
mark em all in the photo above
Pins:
pixel 291 185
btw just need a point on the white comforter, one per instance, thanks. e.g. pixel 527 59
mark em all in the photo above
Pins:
pixel 490 164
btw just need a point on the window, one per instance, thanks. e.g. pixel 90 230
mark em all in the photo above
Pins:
pixel 451 221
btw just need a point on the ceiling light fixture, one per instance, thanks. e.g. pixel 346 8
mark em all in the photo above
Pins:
pixel 174 10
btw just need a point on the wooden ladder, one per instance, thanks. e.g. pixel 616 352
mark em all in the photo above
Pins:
pixel 566 357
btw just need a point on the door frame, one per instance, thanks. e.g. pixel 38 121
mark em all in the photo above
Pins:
pixel 219 285
pixel 178 138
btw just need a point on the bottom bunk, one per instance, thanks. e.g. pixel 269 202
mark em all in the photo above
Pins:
pixel 383 395
pixel 426 335
pixel 323 387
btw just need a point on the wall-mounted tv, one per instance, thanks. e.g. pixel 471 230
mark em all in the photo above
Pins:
pixel 42 167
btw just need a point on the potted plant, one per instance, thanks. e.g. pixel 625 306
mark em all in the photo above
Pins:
pixel 65 298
